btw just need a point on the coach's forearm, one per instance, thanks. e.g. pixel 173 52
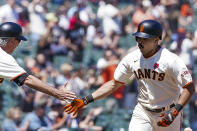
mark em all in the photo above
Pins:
pixel 37 84
pixel 106 89
pixel 186 94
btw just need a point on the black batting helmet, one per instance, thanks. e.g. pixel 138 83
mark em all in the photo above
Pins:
pixel 11 29
pixel 149 29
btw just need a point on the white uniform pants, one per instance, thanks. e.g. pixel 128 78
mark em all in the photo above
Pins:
pixel 143 120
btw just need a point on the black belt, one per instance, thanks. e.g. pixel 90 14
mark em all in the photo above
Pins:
pixel 158 110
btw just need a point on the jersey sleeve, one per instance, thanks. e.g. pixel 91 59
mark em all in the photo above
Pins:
pixel 9 68
pixel 123 71
pixel 180 73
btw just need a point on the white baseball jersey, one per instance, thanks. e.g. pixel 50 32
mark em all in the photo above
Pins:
pixel 161 77
pixel 9 68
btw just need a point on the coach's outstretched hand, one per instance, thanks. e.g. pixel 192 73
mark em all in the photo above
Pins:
pixel 78 104
pixel 169 116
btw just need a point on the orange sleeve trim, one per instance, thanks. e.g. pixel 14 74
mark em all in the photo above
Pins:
pixel 185 86
pixel 119 81
pixel 17 76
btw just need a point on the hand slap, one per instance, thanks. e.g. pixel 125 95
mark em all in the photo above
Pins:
pixel 74 106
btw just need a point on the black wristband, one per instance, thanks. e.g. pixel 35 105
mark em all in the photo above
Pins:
pixel 178 107
pixel 20 79
pixel 88 99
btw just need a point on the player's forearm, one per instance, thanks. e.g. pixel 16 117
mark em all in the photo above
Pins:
pixel 103 91
pixel 106 89
pixel 186 94
pixel 37 84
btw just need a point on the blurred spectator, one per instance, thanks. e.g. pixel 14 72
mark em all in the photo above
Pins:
pixel 8 12
pixel 37 21
pixel 75 23
pixel 27 103
pixel 1 108
pixel 1 100
pixel 160 12
pixel 62 15
pixel 109 41
pixel 65 74
pixel 56 111
pixel 173 14
pixel 187 48
pixel 77 30
pixel 92 79
pixel 79 85
pixel 193 111
pixel 45 41
pixel 38 119
pixel 85 11
pixel 12 121
pixel 88 123
pixel 30 66
pixel 107 12
pixel 92 29
pixel 60 47
pixel 107 65
pixel 195 44
pixel 126 14
pixel 58 117
pixel 58 44
pixel 98 41
pixel 143 12
pixel 186 16
pixel 23 14
pixel 42 62
pixel 53 41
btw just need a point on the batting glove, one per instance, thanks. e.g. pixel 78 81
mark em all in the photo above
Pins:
pixel 77 104
pixel 169 116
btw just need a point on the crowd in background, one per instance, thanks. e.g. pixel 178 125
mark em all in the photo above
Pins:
pixel 81 42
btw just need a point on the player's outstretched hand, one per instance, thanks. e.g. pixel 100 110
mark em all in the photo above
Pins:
pixel 169 116
pixel 78 103
pixel 74 106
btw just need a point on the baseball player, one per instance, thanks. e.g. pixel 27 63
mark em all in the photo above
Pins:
pixel 165 85
pixel 10 37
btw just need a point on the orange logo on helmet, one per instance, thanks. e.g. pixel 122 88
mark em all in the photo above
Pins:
pixel 141 28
